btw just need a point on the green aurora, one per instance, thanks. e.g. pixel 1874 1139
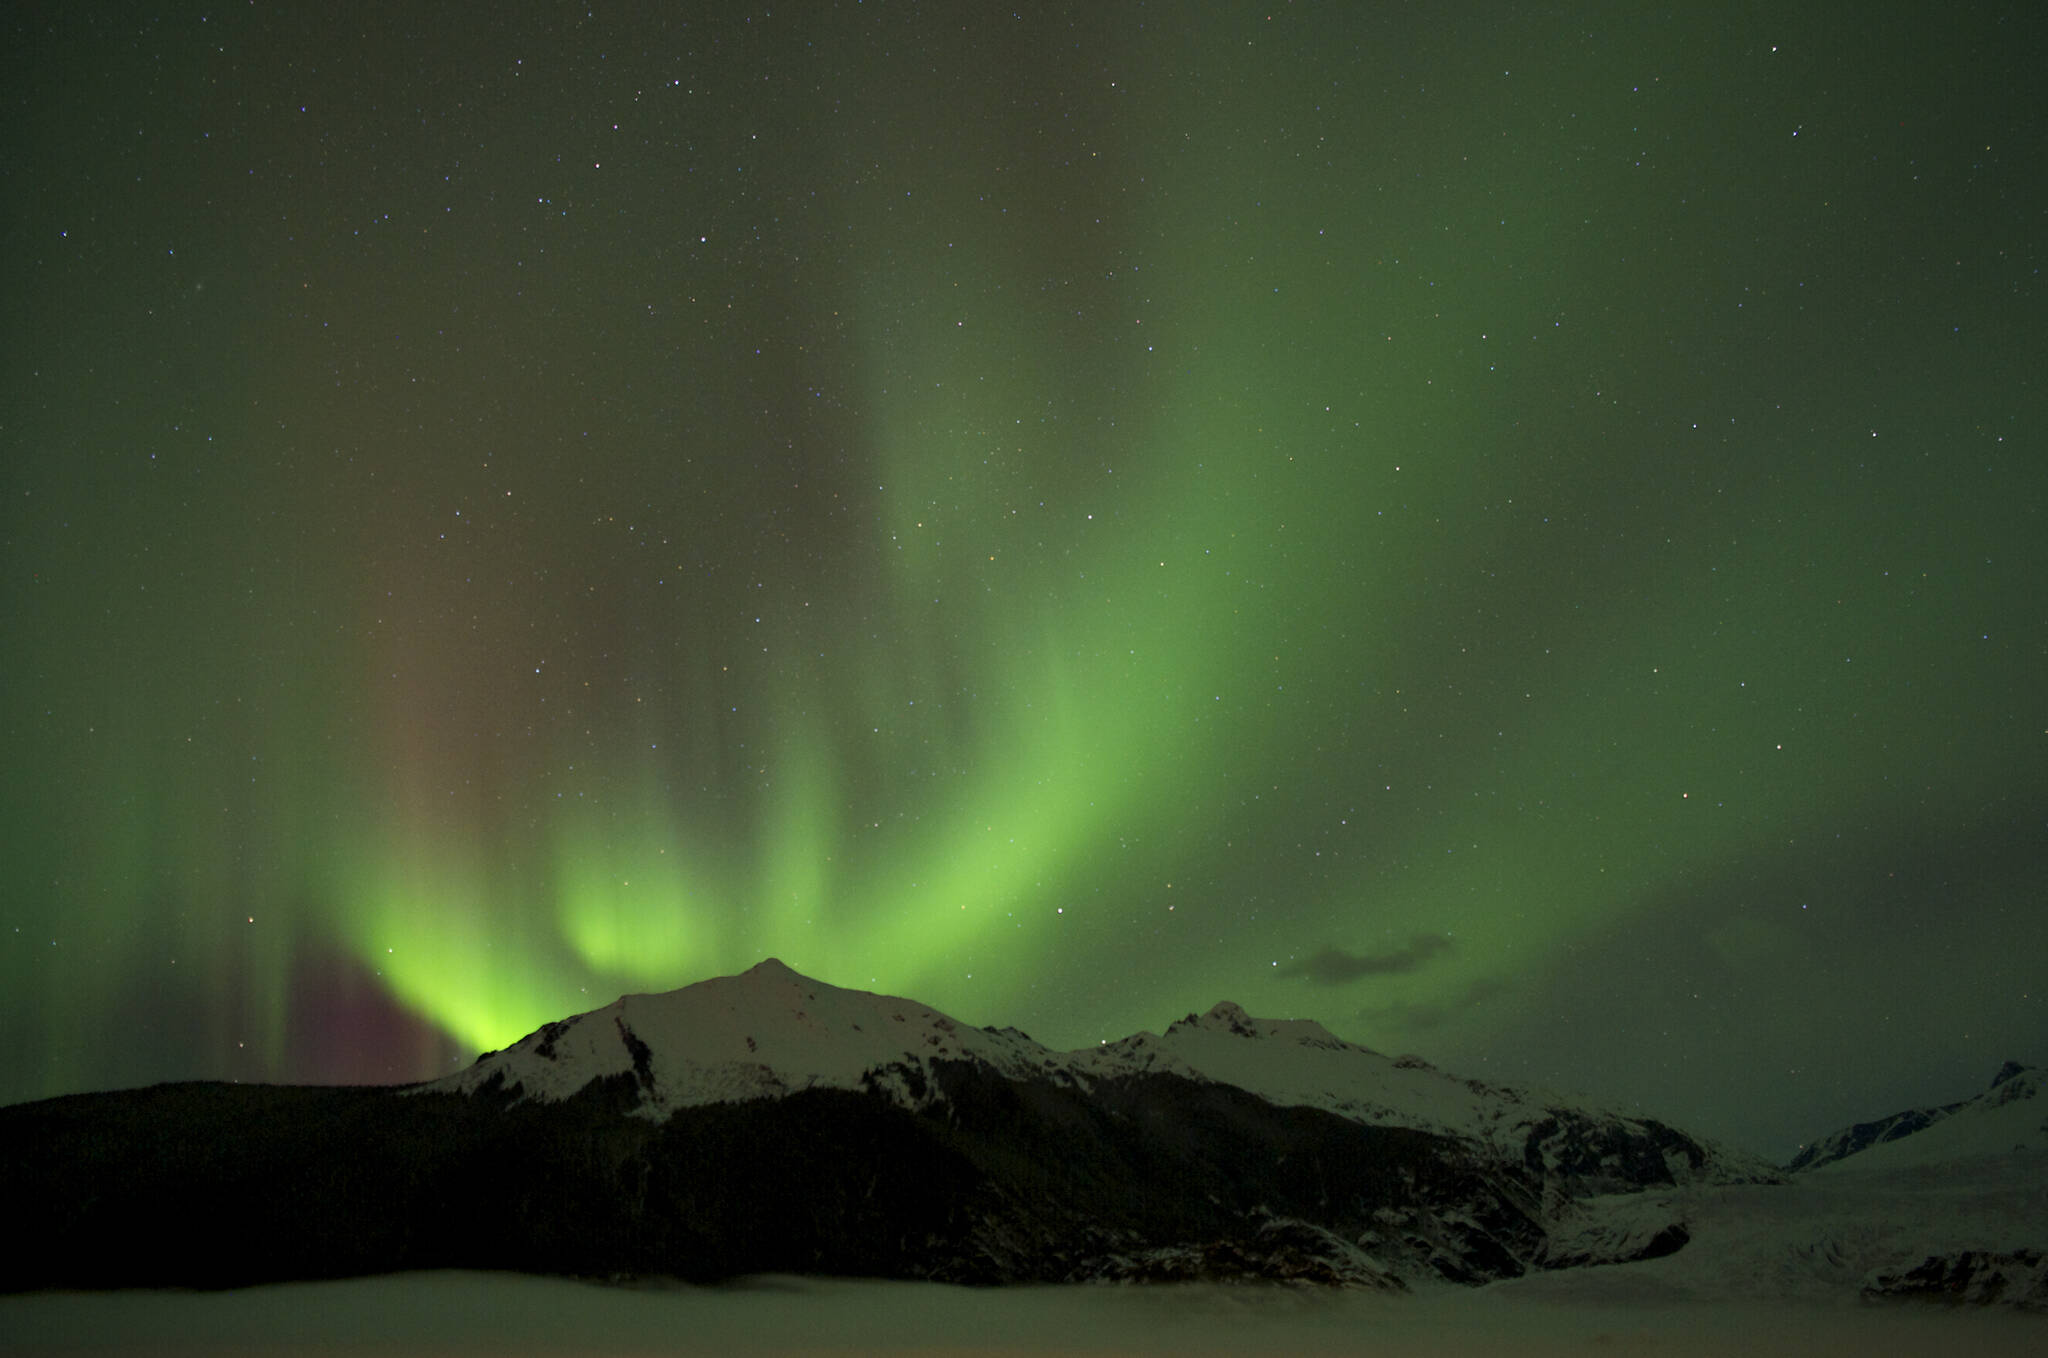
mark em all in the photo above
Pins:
pixel 1519 538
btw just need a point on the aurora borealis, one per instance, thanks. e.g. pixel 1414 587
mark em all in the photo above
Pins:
pixel 1515 533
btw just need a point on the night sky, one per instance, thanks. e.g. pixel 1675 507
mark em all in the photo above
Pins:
pixel 1517 531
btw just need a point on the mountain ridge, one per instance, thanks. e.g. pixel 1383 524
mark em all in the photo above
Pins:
pixel 2011 1114
pixel 770 1031
pixel 772 1123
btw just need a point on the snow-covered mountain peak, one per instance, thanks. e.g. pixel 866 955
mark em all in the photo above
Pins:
pixel 1230 1018
pixel 765 1032
pixel 1225 1015
pixel 2015 1082
pixel 773 969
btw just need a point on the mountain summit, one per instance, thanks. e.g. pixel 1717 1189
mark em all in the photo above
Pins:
pixel 764 1033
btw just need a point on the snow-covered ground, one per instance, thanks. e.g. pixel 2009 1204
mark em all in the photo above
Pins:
pixel 1814 1240
pixel 475 1314
pixel 1770 1269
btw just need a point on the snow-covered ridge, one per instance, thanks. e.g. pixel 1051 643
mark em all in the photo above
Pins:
pixel 2012 1115
pixel 1297 1062
pixel 770 1032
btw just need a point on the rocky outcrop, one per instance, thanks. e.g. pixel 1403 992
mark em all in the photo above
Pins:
pixel 2016 1278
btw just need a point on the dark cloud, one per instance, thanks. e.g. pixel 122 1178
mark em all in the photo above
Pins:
pixel 1334 966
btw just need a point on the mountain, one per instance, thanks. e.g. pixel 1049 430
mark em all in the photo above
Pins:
pixel 2009 1116
pixel 768 1122
pixel 1956 1158
pixel 771 1032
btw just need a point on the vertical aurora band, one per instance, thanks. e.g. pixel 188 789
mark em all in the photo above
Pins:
pixel 1048 519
